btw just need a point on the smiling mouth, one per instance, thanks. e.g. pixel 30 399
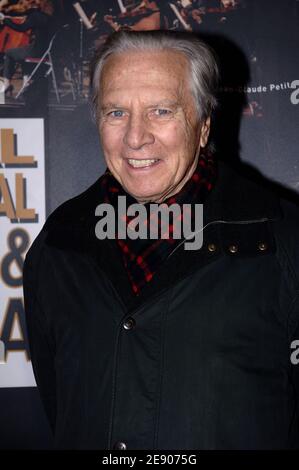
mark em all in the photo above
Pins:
pixel 142 163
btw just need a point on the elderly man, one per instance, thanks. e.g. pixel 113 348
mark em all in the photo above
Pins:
pixel 139 343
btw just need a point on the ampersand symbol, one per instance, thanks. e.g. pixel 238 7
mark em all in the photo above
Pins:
pixel 18 241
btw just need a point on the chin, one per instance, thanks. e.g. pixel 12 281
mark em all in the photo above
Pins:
pixel 142 195
pixel 142 198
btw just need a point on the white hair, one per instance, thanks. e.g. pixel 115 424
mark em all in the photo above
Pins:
pixel 204 72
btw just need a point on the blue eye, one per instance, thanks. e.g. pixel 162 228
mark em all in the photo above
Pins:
pixel 117 113
pixel 162 112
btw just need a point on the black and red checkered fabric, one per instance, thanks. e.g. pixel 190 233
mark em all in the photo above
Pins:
pixel 143 257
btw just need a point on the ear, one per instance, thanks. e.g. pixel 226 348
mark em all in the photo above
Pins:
pixel 204 132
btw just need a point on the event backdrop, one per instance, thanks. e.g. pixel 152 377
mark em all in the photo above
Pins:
pixel 49 148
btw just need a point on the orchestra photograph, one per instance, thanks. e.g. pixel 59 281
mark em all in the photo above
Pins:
pixel 49 43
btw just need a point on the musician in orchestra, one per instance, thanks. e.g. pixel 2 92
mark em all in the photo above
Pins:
pixel 3 3
pixel 38 19
pixel 228 3
pixel 141 15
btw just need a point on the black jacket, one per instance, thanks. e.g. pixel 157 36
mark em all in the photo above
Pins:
pixel 200 360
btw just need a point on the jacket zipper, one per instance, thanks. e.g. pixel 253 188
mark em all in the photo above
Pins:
pixel 240 222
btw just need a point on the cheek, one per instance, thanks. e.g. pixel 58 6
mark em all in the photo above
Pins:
pixel 171 134
pixel 177 138
pixel 111 138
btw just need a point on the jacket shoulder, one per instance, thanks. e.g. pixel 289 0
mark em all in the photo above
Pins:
pixel 76 209
pixel 59 225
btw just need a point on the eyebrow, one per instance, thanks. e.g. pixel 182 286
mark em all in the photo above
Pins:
pixel 153 105
pixel 165 103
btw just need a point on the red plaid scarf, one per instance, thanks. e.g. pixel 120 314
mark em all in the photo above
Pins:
pixel 142 257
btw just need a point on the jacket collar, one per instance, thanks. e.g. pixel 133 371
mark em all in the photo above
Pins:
pixel 236 198
pixel 233 213
pixel 233 198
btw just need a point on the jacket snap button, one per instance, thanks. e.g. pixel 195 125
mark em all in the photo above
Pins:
pixel 262 246
pixel 233 248
pixel 120 446
pixel 129 323
pixel 212 247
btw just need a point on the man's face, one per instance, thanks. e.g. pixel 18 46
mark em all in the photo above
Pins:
pixel 148 125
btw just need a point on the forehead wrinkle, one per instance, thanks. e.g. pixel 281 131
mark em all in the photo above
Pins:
pixel 145 86
pixel 108 100
pixel 119 68
pixel 147 95
pixel 167 58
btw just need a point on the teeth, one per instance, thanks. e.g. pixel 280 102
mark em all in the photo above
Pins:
pixel 141 163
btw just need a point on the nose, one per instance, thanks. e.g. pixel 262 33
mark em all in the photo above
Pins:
pixel 137 133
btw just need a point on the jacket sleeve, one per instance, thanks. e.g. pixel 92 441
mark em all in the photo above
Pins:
pixel 40 344
pixel 288 244
pixel 294 356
